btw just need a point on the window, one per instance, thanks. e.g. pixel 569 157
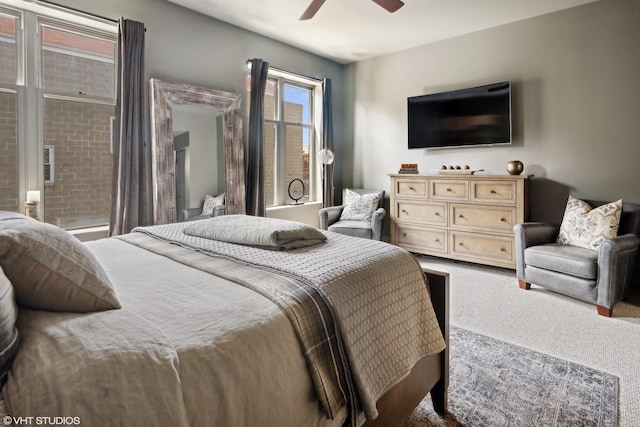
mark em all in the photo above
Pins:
pixel 49 164
pixel 57 111
pixel 78 79
pixel 290 136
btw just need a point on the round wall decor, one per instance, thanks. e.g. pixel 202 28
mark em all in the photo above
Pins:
pixel 296 190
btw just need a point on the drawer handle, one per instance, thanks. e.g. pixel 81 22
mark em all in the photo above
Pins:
pixel 412 189
pixel 437 240
pixel 404 234
pixel 493 191
pixel 437 214
pixel 503 250
pixel 404 211
pixel 449 190
pixel 460 244
pixel 460 216
pixel 503 219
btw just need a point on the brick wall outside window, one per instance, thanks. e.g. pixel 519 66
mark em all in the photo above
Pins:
pixel 8 153
pixel 294 156
pixel 79 131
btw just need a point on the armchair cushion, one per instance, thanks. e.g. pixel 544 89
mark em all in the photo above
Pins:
pixel 211 202
pixel 586 227
pixel 352 228
pixel 359 207
pixel 566 259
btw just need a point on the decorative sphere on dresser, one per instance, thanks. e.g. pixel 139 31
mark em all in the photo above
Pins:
pixel 515 167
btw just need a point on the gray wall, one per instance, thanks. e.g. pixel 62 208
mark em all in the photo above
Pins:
pixel 576 103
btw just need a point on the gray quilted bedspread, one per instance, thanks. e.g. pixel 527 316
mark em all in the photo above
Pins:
pixel 376 292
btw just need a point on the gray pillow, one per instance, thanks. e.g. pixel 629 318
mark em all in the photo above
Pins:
pixel 50 269
pixel 8 333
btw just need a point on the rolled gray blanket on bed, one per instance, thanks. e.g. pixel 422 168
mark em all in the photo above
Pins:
pixel 267 233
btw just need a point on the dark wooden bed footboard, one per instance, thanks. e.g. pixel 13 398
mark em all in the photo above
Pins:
pixel 430 374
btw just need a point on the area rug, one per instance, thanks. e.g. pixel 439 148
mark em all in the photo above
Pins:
pixel 493 383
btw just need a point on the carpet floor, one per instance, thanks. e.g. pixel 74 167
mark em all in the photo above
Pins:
pixel 487 300
pixel 493 383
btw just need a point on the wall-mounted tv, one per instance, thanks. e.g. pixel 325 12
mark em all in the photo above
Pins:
pixel 466 117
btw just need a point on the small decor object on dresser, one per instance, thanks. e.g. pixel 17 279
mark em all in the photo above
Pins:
pixel 515 167
pixel 408 168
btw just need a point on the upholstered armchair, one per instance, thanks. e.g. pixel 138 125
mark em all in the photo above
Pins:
pixel 602 276
pixel 332 218
pixel 211 206
pixel 192 214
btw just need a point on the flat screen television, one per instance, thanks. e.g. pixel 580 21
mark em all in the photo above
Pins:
pixel 460 118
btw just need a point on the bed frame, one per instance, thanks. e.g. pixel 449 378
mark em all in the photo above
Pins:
pixel 430 374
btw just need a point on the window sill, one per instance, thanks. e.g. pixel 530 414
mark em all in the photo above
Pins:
pixel 306 213
pixel 293 206
pixel 90 233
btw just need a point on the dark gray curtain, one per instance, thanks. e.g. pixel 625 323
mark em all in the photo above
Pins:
pixel 130 195
pixel 255 148
pixel 327 143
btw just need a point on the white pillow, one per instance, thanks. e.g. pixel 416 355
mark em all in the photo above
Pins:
pixel 586 227
pixel 359 207
pixel 211 202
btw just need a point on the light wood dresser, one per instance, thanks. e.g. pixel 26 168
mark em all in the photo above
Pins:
pixel 463 217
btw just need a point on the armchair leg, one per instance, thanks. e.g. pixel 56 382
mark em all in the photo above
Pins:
pixel 524 285
pixel 604 311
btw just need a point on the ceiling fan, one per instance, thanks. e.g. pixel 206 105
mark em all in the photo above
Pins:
pixel 390 5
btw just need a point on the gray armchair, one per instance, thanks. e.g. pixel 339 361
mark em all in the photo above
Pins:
pixel 192 214
pixel 601 277
pixel 330 219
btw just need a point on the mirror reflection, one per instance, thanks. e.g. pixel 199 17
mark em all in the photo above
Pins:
pixel 200 165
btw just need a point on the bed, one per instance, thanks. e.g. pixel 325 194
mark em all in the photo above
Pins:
pixel 191 325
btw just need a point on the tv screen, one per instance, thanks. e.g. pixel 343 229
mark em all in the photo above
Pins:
pixel 466 117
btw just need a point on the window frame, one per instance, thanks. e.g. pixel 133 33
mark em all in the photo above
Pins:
pixel 29 81
pixel 314 190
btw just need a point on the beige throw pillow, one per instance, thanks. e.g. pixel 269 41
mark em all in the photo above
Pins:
pixel 586 227
pixel 50 269
pixel 359 207
pixel 211 202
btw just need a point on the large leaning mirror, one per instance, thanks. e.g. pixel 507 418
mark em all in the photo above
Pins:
pixel 196 149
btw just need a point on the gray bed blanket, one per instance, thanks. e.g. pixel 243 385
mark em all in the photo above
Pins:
pixel 376 292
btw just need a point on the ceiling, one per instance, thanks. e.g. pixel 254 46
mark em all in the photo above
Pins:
pixel 352 30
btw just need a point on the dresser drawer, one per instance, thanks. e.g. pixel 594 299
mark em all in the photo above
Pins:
pixel 411 187
pixel 449 189
pixel 496 218
pixel 499 250
pixel 434 213
pixel 432 239
pixel 493 191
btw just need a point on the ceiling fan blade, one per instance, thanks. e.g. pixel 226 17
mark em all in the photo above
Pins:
pixel 390 5
pixel 312 9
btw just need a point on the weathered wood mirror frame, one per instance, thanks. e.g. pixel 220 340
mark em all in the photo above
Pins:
pixel 163 96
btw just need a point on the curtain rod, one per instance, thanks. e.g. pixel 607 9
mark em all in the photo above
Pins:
pixel 280 70
pixel 77 10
